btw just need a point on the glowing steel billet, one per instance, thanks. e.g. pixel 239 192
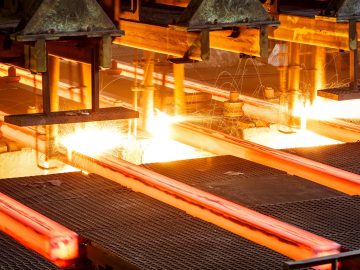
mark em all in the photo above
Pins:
pixel 219 143
pixel 37 232
pixel 277 235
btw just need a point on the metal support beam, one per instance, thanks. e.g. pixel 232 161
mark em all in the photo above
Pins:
pixel 54 77
pixel 310 31
pixel 95 91
pixel 46 91
pixel 86 81
pixel 148 93
pixel 177 42
pixel 318 76
pixel 179 94
pixel 354 56
pixel 293 81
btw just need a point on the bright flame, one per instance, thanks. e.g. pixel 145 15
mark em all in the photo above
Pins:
pixel 92 140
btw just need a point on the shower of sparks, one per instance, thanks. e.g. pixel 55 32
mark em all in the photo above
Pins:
pixel 156 146
pixel 160 147
pixel 92 140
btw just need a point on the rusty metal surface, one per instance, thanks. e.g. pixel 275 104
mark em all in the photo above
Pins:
pixel 52 19
pixel 341 10
pixel 14 256
pixel 68 117
pixel 135 228
pixel 344 9
pixel 215 14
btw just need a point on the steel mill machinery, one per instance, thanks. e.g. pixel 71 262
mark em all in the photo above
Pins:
pixel 179 134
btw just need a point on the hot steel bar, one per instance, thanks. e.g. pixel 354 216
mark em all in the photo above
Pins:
pixel 221 144
pixel 37 232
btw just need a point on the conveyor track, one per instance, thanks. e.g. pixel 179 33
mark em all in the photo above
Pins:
pixel 13 256
pixel 297 201
pixel 139 230
pixel 343 156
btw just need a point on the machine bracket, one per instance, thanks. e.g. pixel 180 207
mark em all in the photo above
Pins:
pixel 202 42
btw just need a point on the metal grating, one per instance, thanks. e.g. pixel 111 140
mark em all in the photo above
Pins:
pixel 335 218
pixel 14 256
pixel 294 200
pixel 242 181
pixel 137 228
pixel 344 156
pixel 339 94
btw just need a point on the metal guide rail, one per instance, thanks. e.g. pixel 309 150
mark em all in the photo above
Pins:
pixel 14 256
pixel 343 156
pixel 135 231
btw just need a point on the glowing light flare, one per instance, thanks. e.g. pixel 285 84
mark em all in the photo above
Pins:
pixel 155 150
pixel 92 140
pixel 37 232
pixel 325 109
pixel 160 126
pixel 271 137
pixel 160 148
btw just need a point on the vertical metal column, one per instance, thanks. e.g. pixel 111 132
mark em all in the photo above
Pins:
pixel 85 73
pixel 54 76
pixel 148 93
pixel 46 90
pixel 294 81
pixel 283 86
pixel 95 91
pixel 354 56
pixel 318 63
pixel 179 93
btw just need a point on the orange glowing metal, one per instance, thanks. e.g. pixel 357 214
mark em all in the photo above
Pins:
pixel 279 236
pixel 323 174
pixel 37 232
